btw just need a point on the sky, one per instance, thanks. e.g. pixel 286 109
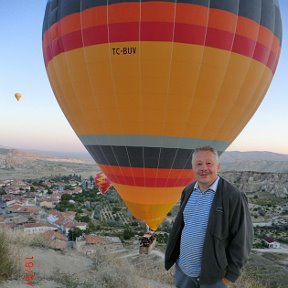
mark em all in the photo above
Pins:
pixel 37 122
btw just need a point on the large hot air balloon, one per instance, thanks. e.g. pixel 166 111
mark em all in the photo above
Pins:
pixel 18 96
pixel 143 83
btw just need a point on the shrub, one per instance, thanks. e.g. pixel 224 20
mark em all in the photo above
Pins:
pixel 7 261
pixel 128 233
pixel 114 272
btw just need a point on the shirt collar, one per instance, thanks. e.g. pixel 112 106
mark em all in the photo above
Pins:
pixel 213 187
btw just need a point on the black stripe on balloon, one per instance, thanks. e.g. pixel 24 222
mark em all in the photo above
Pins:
pixel 118 156
pixel 264 12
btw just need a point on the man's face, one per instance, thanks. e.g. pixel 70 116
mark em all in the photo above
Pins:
pixel 205 166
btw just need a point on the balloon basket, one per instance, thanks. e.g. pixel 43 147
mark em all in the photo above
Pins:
pixel 147 243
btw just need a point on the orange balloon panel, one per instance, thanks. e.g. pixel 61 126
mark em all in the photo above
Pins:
pixel 143 83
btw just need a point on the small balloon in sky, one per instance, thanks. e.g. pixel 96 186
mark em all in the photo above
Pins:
pixel 102 182
pixel 18 96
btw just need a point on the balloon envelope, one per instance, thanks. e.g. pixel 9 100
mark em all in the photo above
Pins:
pixel 143 83
pixel 18 96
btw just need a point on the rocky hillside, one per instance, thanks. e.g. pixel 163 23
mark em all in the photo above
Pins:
pixel 18 164
pixel 254 161
pixel 15 163
pixel 254 182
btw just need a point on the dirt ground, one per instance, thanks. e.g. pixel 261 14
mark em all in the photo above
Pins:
pixel 57 270
pixel 49 265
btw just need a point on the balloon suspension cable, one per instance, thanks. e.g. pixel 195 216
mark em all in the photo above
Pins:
pixel 149 230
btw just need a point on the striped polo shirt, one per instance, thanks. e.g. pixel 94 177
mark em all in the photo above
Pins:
pixel 196 214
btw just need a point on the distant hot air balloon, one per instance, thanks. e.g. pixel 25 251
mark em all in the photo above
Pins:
pixel 18 96
pixel 102 182
pixel 143 83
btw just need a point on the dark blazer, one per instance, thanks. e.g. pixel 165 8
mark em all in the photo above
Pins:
pixel 229 235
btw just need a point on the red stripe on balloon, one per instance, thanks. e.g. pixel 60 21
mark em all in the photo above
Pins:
pixel 142 172
pixel 148 177
pixel 149 182
pixel 158 31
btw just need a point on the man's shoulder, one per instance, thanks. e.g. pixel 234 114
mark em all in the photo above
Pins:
pixel 189 187
pixel 228 187
pixel 232 193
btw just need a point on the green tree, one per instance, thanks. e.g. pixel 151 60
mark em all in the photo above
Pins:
pixel 66 197
pixel 74 233
pixel 85 218
pixel 128 233
pixel 91 228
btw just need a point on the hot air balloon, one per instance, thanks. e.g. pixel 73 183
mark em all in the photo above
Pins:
pixel 102 182
pixel 18 96
pixel 143 83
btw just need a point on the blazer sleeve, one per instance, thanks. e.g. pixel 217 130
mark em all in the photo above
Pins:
pixel 241 235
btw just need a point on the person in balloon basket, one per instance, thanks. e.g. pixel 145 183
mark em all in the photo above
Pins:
pixel 212 234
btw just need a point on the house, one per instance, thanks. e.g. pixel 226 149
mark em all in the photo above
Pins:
pixel 65 220
pixel 52 235
pixel 92 239
pixel 71 225
pixel 69 214
pixel 10 201
pixel 49 203
pixel 19 220
pixel 56 217
pixel 28 210
pixel 7 198
pixel 10 225
pixel 271 243
pixel 89 244
pixel 36 228
pixel 53 216
pixel 3 205
pixel 14 208
pixel 55 240
pixel 78 190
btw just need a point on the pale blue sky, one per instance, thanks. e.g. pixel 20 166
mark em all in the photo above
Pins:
pixel 37 122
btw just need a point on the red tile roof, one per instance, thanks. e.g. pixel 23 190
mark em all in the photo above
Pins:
pixel 94 239
pixel 52 235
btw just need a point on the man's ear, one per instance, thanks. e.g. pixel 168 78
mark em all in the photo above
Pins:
pixel 218 166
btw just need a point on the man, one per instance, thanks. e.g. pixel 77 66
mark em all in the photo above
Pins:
pixel 212 235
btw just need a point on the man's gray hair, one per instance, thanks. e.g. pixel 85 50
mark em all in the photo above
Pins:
pixel 206 148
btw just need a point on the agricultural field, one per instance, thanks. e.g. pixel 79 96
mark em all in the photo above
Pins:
pixel 109 213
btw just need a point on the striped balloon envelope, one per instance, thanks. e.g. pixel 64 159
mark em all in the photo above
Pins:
pixel 143 83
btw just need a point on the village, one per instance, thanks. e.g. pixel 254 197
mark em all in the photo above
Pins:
pixel 46 207
pixel 69 212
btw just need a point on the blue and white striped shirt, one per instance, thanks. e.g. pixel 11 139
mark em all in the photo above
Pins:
pixel 196 214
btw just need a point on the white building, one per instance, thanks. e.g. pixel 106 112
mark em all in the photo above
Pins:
pixel 271 243
pixel 36 228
